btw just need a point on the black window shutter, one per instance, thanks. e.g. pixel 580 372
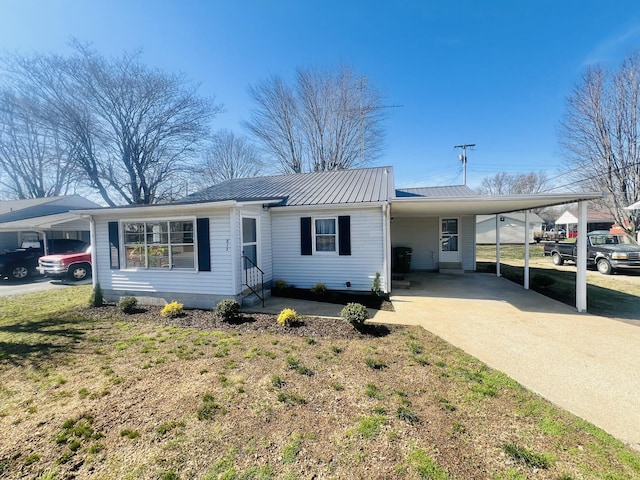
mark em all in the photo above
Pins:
pixel 114 245
pixel 344 235
pixel 204 246
pixel 305 236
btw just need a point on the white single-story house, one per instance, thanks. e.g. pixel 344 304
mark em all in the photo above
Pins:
pixel 597 219
pixel 511 228
pixel 24 222
pixel 338 228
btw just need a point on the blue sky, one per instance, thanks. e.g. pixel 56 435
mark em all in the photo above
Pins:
pixel 493 73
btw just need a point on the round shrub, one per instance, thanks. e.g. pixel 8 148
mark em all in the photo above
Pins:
pixel 355 314
pixel 128 304
pixel 172 310
pixel 319 289
pixel 288 317
pixel 227 310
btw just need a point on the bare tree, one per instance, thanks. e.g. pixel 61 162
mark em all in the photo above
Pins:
pixel 600 137
pixel 504 183
pixel 34 160
pixel 131 130
pixel 327 120
pixel 229 156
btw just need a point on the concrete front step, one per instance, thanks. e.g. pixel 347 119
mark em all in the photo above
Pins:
pixel 250 299
pixel 451 267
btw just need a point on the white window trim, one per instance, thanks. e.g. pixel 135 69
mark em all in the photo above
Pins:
pixel 314 237
pixel 123 250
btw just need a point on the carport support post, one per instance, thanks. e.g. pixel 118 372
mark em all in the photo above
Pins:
pixel 498 246
pixel 581 258
pixel 526 249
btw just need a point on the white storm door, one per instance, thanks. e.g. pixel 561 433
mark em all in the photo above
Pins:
pixel 449 245
pixel 249 244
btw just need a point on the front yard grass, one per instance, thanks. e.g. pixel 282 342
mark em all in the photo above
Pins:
pixel 112 396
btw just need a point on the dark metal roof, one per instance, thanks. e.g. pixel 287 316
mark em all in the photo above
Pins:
pixel 437 192
pixel 363 185
pixel 42 207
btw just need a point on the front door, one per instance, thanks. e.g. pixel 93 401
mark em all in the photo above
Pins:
pixel 449 245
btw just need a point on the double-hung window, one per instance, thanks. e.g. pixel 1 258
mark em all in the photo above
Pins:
pixel 325 234
pixel 159 244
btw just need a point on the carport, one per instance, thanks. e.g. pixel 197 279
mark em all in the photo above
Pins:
pixel 444 209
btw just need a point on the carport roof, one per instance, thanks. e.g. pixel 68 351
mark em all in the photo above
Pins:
pixel 482 204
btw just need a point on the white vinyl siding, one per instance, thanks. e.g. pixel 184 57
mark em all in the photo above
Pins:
pixel 304 271
pixel 216 282
pixel 421 235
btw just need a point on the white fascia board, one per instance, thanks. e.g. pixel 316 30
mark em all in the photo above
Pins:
pixel 330 206
pixel 155 209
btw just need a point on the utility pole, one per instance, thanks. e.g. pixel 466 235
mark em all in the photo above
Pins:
pixel 463 159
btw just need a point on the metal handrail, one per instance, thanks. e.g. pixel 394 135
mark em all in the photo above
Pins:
pixel 253 278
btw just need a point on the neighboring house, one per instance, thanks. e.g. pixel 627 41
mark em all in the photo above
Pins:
pixel 338 228
pixel 597 219
pixel 30 220
pixel 511 228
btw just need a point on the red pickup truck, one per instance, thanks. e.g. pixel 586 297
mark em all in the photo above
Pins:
pixel 75 266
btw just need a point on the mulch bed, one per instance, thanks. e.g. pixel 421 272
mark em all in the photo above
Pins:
pixel 369 300
pixel 314 327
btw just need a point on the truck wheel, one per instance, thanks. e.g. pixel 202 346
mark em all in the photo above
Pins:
pixel 557 258
pixel 79 272
pixel 604 267
pixel 19 272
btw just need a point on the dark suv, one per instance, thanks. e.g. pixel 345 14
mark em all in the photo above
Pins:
pixel 20 264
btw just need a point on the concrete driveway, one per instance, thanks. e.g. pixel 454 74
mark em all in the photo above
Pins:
pixel 585 364
pixel 35 284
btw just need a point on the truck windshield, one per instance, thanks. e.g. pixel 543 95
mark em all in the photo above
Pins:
pixel 612 240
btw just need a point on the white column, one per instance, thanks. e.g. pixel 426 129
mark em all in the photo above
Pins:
pixel 498 246
pixel 526 249
pixel 581 259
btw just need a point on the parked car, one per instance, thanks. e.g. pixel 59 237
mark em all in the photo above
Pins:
pixel 605 251
pixel 21 263
pixel 75 266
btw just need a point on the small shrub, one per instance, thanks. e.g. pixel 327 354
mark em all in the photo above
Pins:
pixel 375 288
pixel 227 310
pixel 96 299
pixel 128 304
pixel 319 289
pixel 172 310
pixel 288 317
pixel 373 392
pixel 129 433
pixel 355 314
pixel 280 284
